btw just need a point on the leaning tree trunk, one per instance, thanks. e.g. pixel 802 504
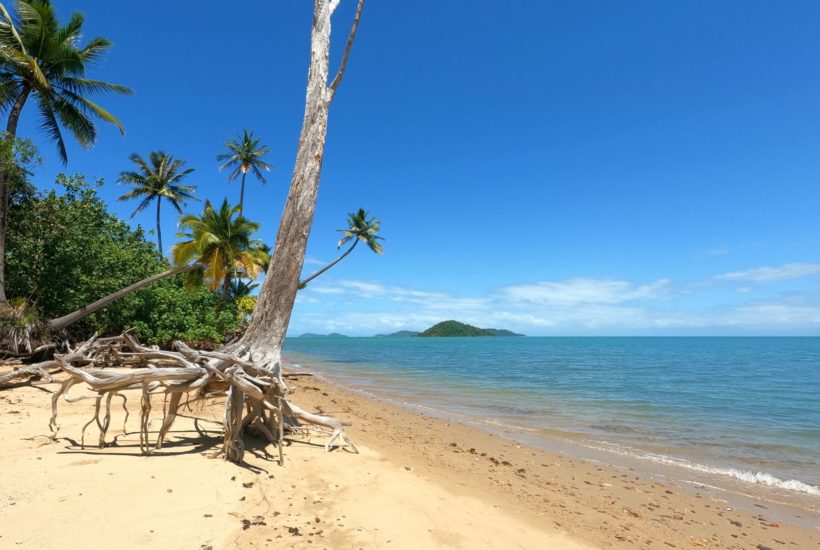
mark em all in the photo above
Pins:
pixel 262 342
pixel 266 332
pixel 58 324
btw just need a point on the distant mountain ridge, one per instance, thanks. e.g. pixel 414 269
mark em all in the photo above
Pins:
pixel 399 334
pixel 445 328
pixel 454 328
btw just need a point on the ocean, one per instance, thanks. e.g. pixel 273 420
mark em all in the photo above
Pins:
pixel 745 410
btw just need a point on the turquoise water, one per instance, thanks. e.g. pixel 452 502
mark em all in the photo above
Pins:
pixel 748 408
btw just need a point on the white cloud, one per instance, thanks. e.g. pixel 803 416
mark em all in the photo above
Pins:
pixel 571 306
pixel 775 314
pixel 314 261
pixel 589 291
pixel 326 289
pixel 794 270
pixel 363 288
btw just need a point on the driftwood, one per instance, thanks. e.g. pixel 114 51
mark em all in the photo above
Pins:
pixel 185 371
pixel 27 372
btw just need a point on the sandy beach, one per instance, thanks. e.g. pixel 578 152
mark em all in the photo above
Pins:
pixel 417 482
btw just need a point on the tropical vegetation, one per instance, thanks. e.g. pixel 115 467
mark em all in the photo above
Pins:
pixel 455 328
pixel 68 236
pixel 157 178
pixel 244 155
pixel 71 237
pixel 42 60
pixel 222 241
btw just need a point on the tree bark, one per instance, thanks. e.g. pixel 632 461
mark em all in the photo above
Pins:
pixel 159 229
pixel 242 195
pixel 266 332
pixel 5 190
pixel 60 323
pixel 328 266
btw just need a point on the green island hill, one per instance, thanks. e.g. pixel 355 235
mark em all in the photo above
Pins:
pixel 454 328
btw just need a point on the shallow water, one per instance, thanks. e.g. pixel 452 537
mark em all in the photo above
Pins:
pixel 743 408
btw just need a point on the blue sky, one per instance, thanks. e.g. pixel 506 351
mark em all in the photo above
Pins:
pixel 561 168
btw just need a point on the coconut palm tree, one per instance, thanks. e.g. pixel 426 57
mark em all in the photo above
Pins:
pixel 359 228
pixel 245 155
pixel 157 178
pixel 222 241
pixel 42 60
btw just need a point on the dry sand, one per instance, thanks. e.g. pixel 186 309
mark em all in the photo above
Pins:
pixel 418 482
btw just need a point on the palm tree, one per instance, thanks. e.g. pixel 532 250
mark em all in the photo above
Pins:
pixel 221 241
pixel 245 155
pixel 41 59
pixel 359 229
pixel 157 179
pixel 240 288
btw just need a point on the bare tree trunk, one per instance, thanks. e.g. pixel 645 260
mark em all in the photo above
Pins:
pixel 266 332
pixel 60 323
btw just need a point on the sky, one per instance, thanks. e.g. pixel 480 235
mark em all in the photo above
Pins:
pixel 554 168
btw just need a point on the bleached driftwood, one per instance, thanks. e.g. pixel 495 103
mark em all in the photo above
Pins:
pixel 26 372
pixel 185 371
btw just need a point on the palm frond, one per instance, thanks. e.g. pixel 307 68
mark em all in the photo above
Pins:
pixel 49 124
pixel 143 205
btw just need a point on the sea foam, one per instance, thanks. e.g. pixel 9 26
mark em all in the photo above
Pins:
pixel 761 478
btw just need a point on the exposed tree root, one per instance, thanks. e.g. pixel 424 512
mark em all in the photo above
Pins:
pixel 255 391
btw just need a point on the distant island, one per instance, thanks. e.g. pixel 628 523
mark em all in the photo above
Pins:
pixel 454 328
pixel 445 328
pixel 399 334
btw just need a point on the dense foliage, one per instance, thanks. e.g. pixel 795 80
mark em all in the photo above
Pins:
pixel 65 250
pixel 222 240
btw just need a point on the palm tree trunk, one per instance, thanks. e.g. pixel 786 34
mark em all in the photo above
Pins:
pixel 60 323
pixel 226 287
pixel 5 190
pixel 159 229
pixel 242 194
pixel 304 283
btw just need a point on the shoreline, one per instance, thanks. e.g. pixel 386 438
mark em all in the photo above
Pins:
pixel 418 482
pixel 741 483
pixel 574 493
